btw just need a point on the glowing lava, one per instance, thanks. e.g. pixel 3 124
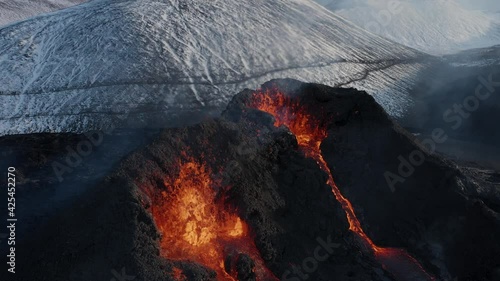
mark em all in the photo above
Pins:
pixel 197 226
pixel 310 133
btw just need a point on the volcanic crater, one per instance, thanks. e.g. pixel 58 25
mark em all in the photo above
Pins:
pixel 288 184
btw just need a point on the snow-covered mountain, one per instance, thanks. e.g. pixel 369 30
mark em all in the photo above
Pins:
pixel 91 65
pixel 432 26
pixel 16 10
pixel 484 5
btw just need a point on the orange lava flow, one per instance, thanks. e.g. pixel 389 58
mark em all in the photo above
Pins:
pixel 310 134
pixel 197 226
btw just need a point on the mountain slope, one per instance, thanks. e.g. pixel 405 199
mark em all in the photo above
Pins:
pixel 15 10
pixel 432 26
pixel 92 65
pixel 485 5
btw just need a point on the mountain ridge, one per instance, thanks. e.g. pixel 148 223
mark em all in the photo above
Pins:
pixel 190 44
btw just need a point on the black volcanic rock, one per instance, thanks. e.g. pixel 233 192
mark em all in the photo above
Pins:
pixel 439 214
pixel 280 193
pixel 445 216
pixel 245 267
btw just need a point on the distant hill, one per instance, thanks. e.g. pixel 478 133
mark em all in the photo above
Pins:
pixel 432 26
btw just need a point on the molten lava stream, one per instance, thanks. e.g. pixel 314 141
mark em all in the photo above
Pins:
pixel 309 136
pixel 196 226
